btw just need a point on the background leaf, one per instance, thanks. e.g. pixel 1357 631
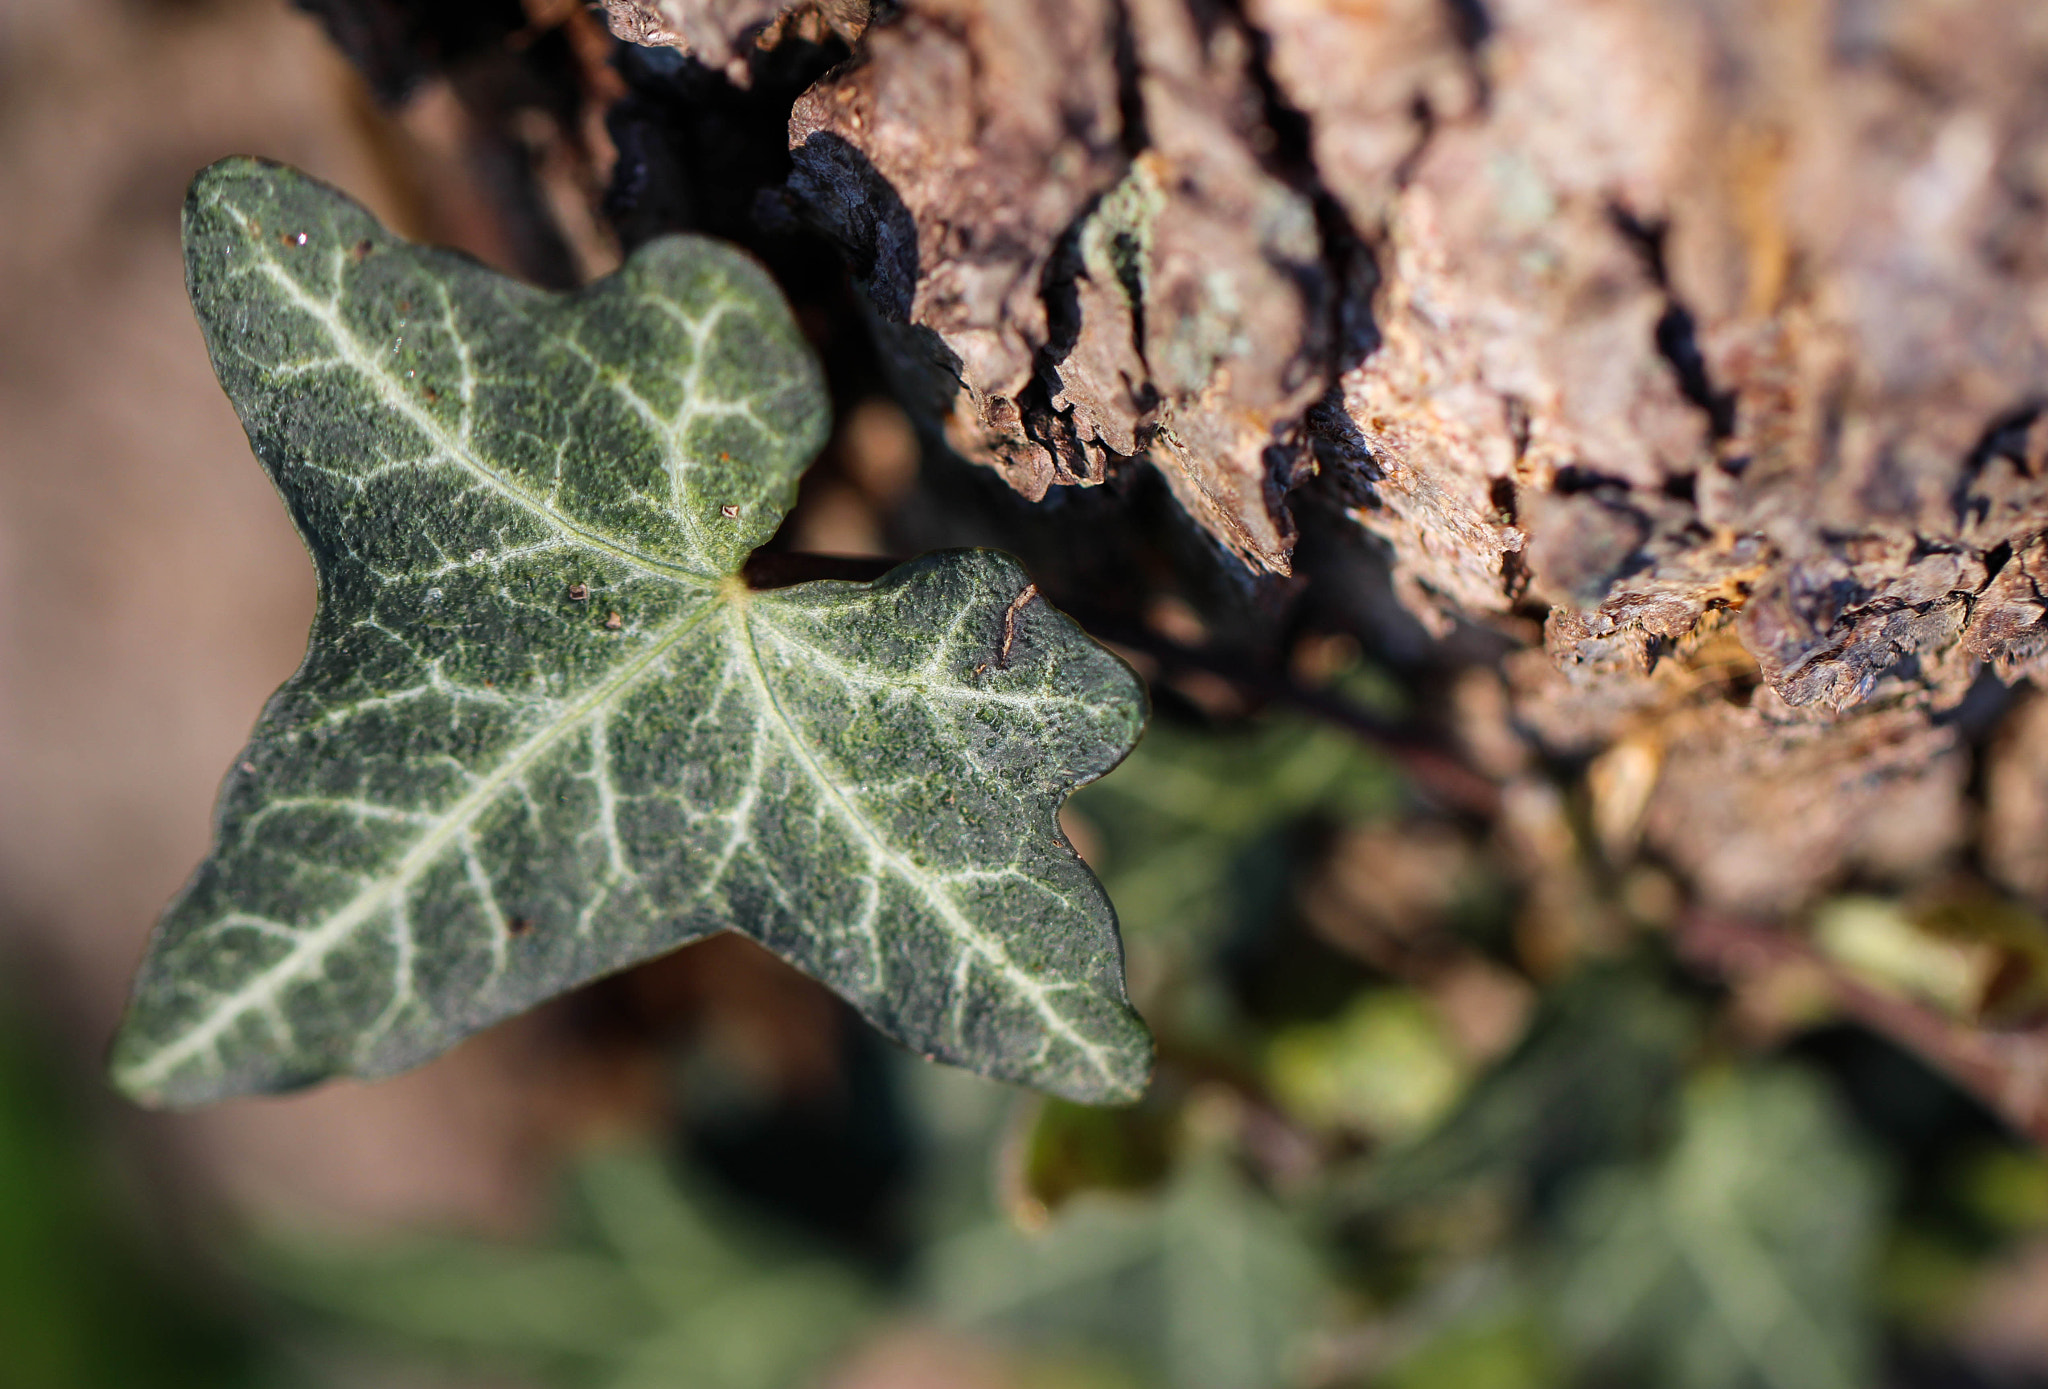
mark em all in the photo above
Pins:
pixel 1740 1259
pixel 649 1287
pixel 1211 1284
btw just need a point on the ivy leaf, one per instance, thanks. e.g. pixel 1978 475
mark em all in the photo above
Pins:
pixel 1209 1286
pixel 543 730
pixel 1740 1259
pixel 651 1283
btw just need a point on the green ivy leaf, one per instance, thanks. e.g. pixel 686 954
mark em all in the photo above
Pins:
pixel 1738 1260
pixel 1210 1285
pixel 651 1284
pixel 543 731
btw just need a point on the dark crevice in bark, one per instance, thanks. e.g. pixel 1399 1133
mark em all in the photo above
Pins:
pixel 1052 428
pixel 1472 26
pixel 1572 479
pixel 1501 492
pixel 1975 715
pixel 1677 332
pixel 1355 273
pixel 1348 262
pixel 1130 103
pixel 1515 576
pixel 1470 22
pixel 1647 237
pixel 1678 343
pixel 1130 97
pixel 1995 560
pixel 696 152
pixel 1290 155
pixel 396 45
pixel 1345 280
pixel 1351 271
pixel 2006 438
pixel 1425 119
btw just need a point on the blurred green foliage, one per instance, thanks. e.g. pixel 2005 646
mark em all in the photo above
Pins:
pixel 1383 1066
pixel 1741 1256
pixel 647 1286
pixel 1192 831
pixel 1328 1187
pixel 90 1295
pixel 1206 1285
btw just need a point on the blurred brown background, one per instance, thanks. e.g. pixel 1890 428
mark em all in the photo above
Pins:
pixel 159 594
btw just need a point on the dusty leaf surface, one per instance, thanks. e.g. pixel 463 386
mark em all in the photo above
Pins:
pixel 543 731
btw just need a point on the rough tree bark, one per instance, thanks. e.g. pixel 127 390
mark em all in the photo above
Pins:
pixel 1699 343
pixel 720 33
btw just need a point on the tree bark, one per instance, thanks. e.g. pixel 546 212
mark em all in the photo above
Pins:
pixel 1698 347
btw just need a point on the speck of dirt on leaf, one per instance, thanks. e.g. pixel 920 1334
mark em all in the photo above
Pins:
pixel 433 396
pixel 405 307
pixel 613 621
pixel 1017 605
pixel 579 593
pixel 361 250
pixel 517 925
pixel 729 512
pixel 248 768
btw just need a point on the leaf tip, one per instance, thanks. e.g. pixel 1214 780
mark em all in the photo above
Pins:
pixel 128 1071
pixel 224 175
pixel 1118 1071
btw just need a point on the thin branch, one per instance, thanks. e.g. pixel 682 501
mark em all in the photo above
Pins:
pixel 2007 1071
pixel 1430 764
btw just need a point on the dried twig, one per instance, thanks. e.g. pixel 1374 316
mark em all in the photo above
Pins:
pixel 1423 754
pixel 2007 1071
pixel 1430 764
pixel 1017 605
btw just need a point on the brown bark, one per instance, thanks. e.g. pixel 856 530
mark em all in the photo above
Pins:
pixel 719 33
pixel 1713 336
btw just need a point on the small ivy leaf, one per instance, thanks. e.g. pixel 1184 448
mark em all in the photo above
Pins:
pixel 542 730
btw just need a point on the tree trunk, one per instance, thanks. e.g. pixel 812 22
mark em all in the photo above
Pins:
pixel 1698 347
